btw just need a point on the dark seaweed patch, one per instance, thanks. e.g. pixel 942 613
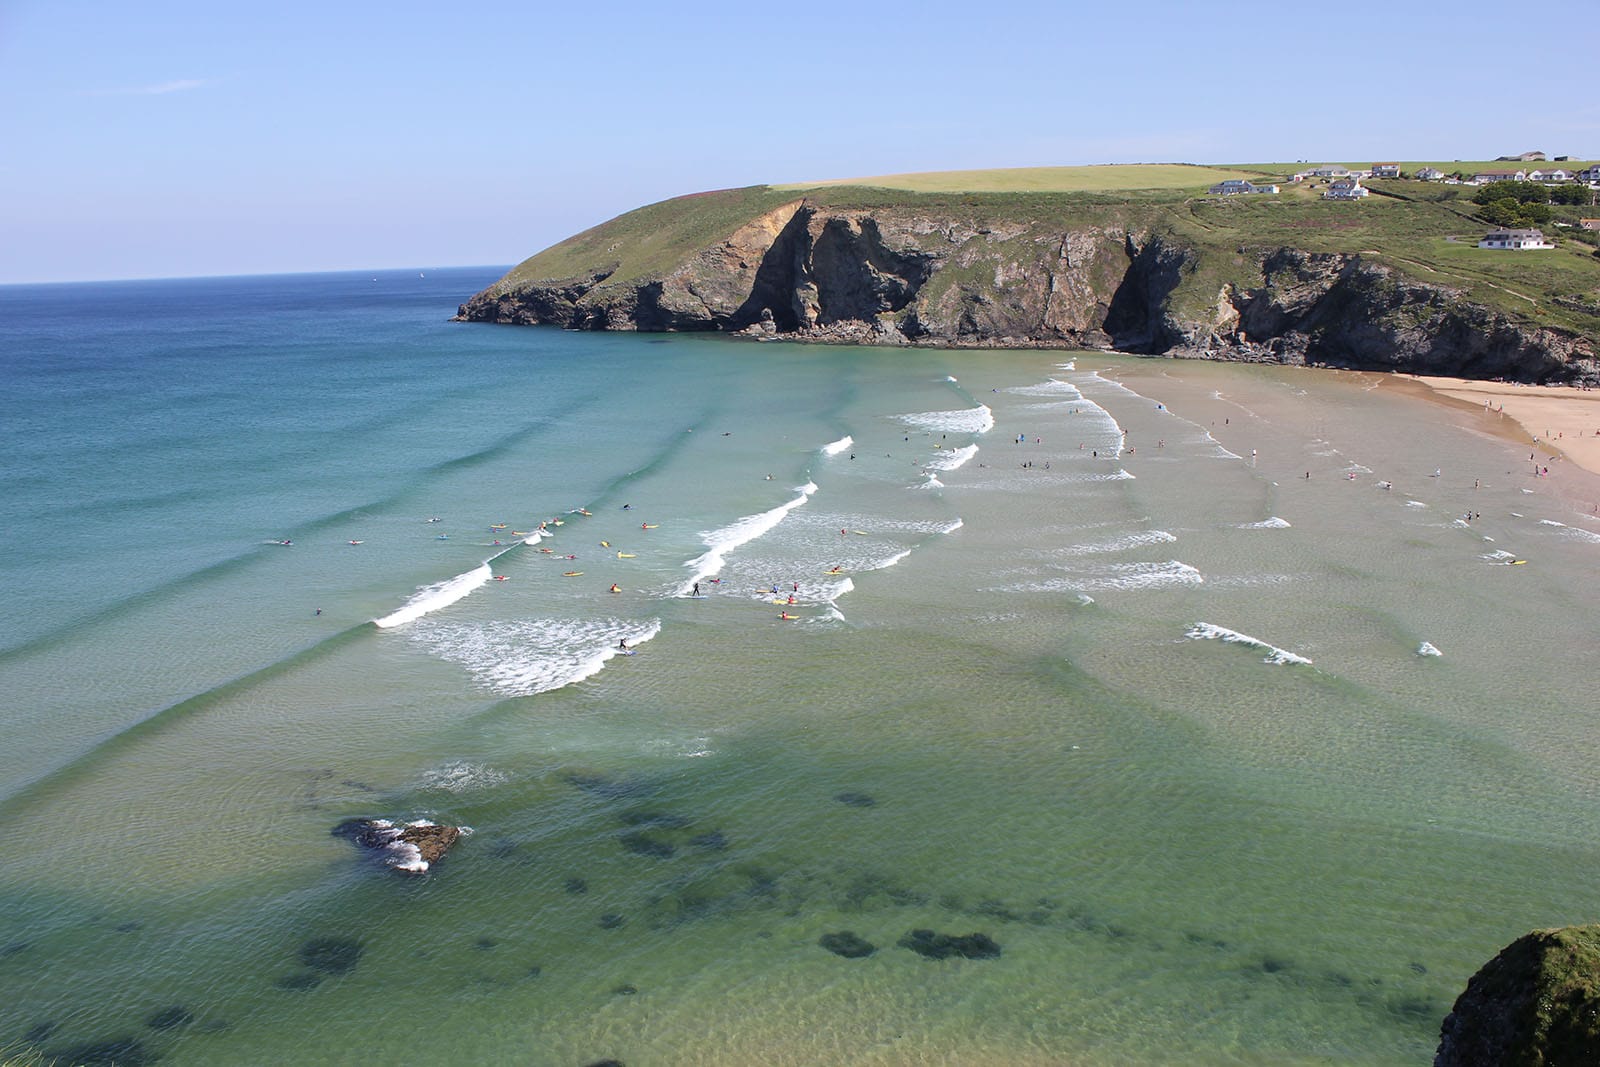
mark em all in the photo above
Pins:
pixel 299 981
pixel 40 1032
pixel 845 943
pixel 856 800
pixel 577 886
pixel 714 841
pixel 625 990
pixel 485 944
pixel 170 1018
pixel 642 844
pixel 611 921
pixel 331 955
pixel 936 946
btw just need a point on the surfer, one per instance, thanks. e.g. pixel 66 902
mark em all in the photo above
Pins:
pixel 784 615
pixel 696 589
pixel 615 588
pixel 622 645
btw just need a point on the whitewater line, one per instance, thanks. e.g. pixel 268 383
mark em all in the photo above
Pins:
pixel 442 594
pixel 740 532
pixel 1205 631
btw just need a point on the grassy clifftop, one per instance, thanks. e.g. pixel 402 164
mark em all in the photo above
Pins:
pixel 1424 231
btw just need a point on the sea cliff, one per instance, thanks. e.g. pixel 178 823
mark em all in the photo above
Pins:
pixel 1160 275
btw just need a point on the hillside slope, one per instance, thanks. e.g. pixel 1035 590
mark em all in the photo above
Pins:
pixel 1395 282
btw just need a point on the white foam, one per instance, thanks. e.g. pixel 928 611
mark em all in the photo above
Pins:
pixel 1054 387
pixel 1137 539
pixel 949 459
pixel 1415 504
pixel 1572 531
pixel 1085 599
pixel 521 657
pixel 950 377
pixel 1428 649
pixel 1205 631
pixel 461 776
pixel 436 596
pixel 1069 365
pixel 892 560
pixel 835 447
pixel 739 532
pixel 1273 523
pixel 1116 576
pixel 966 420
pixel 930 481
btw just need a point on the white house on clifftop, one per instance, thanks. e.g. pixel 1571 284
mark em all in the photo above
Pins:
pixel 1523 239
pixel 1239 187
pixel 1345 189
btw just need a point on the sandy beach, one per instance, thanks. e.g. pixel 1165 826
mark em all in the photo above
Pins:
pixel 1562 419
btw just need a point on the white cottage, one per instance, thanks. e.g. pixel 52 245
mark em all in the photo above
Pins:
pixel 1386 170
pixel 1430 174
pixel 1518 239
pixel 1500 176
pixel 1556 175
pixel 1239 187
pixel 1345 189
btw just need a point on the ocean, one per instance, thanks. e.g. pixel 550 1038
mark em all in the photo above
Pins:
pixel 1244 711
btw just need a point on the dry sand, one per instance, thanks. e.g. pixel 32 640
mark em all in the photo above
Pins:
pixel 1562 418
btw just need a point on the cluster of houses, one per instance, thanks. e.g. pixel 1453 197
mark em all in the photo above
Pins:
pixel 1345 184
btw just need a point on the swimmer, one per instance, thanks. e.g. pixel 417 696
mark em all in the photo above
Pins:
pixel 615 588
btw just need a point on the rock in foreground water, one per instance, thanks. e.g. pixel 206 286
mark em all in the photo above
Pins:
pixel 1536 1003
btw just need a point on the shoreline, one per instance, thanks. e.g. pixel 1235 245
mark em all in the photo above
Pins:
pixel 1561 420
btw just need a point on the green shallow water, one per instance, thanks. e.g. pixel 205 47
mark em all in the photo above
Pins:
pixel 1187 854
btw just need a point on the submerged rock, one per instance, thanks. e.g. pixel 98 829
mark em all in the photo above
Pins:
pixel 411 848
pixel 1536 1003
pixel 331 955
pixel 845 943
pixel 170 1018
pixel 936 946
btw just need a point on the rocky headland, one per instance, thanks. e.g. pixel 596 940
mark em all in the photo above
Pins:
pixel 1032 271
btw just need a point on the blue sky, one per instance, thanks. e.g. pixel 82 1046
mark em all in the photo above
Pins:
pixel 167 139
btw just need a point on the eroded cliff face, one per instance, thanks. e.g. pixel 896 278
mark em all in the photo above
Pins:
pixel 896 276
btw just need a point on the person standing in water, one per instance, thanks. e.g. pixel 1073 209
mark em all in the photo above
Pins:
pixel 696 589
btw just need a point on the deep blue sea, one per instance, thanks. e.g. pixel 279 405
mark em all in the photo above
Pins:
pixel 1242 736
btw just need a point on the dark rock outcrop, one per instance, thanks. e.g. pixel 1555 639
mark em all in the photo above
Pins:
pixel 1536 1004
pixel 935 946
pixel 846 943
pixel 900 275
pixel 411 848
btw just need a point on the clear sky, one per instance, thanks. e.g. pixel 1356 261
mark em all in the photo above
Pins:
pixel 166 138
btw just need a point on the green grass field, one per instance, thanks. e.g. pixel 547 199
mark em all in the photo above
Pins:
pixel 1109 178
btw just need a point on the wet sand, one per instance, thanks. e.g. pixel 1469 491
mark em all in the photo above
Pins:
pixel 1563 419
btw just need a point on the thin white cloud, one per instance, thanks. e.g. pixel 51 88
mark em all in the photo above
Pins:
pixel 180 85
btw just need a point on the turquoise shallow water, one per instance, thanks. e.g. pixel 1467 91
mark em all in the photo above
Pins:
pixel 1151 712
